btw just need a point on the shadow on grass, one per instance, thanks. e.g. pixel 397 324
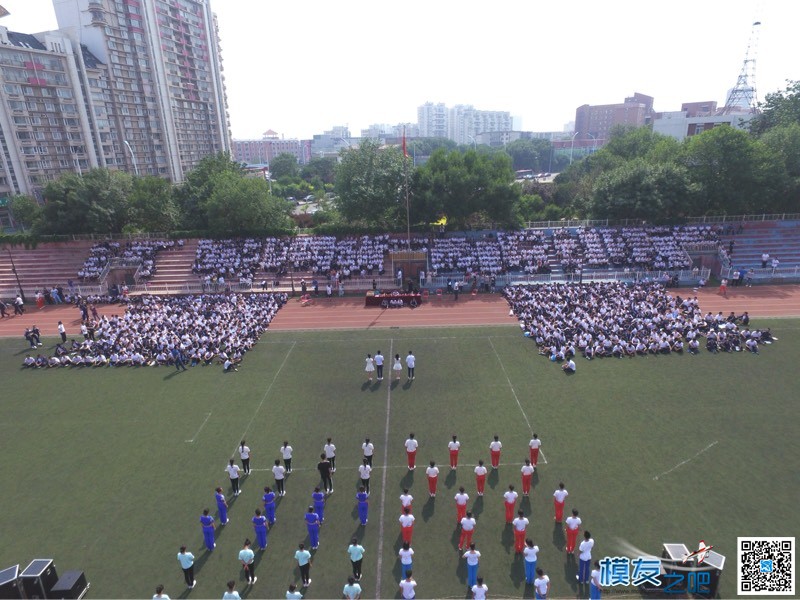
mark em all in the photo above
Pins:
pixel 493 479
pixel 517 571
pixel 365 386
pixel 454 539
pixel 428 509
pixel 477 506
pixel 570 574
pixel 559 540
pixel 358 534
pixel 171 374
pixel 525 505
pixel 507 539
pixel 450 480
pixel 407 481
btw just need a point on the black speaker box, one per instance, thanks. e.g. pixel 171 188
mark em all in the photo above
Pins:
pixel 38 578
pixel 71 586
pixel 10 585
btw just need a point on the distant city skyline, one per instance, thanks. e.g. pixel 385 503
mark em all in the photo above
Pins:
pixel 303 68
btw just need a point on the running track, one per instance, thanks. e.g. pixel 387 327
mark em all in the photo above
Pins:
pixel 485 309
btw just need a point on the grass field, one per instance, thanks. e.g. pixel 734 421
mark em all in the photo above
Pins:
pixel 108 470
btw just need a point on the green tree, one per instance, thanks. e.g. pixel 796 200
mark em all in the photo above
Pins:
pixel 284 166
pixel 370 185
pixel 243 204
pixel 783 142
pixel 529 154
pixel 468 188
pixel 26 211
pixel 427 146
pixel 198 186
pixel 153 206
pixel 778 109
pixel 323 168
pixel 96 202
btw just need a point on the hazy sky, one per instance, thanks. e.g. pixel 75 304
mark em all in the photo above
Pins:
pixel 301 67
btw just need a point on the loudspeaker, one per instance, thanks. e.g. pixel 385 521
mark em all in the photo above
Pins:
pixel 71 586
pixel 38 578
pixel 10 585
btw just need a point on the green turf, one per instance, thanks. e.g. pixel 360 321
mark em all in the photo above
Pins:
pixel 99 476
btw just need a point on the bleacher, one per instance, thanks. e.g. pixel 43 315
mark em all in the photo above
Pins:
pixel 780 239
pixel 49 264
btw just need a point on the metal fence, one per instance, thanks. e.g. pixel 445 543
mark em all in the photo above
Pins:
pixel 743 218
pixel 779 275
pixel 640 223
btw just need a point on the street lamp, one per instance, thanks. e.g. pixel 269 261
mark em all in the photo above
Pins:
pixel 594 144
pixel 133 157
pixel 16 275
pixel 474 143
pixel 572 146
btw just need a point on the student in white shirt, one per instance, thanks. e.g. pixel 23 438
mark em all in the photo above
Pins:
pixel 286 453
pixel 280 476
pixel 541 585
pixel 595 588
pixel 244 455
pixel 585 558
pixel 494 450
pixel 473 558
pixel 535 444
pixel 405 500
pixel 454 446
pixel 368 448
pixel 407 586
pixel 233 472
pixel 231 593
pixel 479 590
pixel 405 554
pixel 433 478
pixel 411 445
pixel 559 498
pixel 480 477
pixel 330 454
pixel 364 471
pixel 531 554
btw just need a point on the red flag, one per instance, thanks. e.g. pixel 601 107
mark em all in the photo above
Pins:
pixel 405 151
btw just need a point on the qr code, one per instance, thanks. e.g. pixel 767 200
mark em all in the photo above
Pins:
pixel 766 566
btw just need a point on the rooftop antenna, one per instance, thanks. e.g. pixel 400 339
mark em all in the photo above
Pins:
pixel 743 96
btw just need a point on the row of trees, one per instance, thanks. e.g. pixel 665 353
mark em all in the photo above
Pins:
pixel 637 174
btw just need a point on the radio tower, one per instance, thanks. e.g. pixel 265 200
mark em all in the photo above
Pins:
pixel 743 98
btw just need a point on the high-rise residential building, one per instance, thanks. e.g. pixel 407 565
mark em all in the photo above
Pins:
pixel 461 123
pixel 46 126
pixel 165 98
pixel 432 120
pixel 271 145
pixel 598 121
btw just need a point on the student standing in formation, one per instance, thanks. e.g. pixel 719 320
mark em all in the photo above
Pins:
pixel 573 526
pixel 368 448
pixel 356 553
pixel 494 449
pixel 364 473
pixel 454 446
pixel 303 558
pixel 510 500
pixel 480 477
pixel 535 444
pixel 405 501
pixel 411 362
pixel 542 585
pixel 248 559
pixel 222 506
pixel 280 477
pixel 269 505
pixel 520 525
pixel 260 528
pixel 379 365
pixel 595 588
pixel 362 505
pixel 406 525
pixel 370 368
pixel 293 593
pixel 186 560
pixel 479 590
pixel 397 367
pixel 231 593
pixel 160 595
pixel 473 557
pixel 233 472
pixel 461 505
pixel 433 478
pixel 559 499
pixel 61 329
pixel 467 529
pixel 527 475
pixel 207 523
pixel 312 525
pixel 325 470
pixel 330 454
pixel 411 451
pixel 406 554
pixel 244 455
pixel 585 557
pixel 351 591
pixel 408 586
pixel 318 499
pixel 531 554
pixel 286 454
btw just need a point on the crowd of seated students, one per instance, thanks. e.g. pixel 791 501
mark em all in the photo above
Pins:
pixel 203 329
pixel 134 252
pixel 228 260
pixel 614 319
pixel 450 254
pixel 99 256
pixel 524 250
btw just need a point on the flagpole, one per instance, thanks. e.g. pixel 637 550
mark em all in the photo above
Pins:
pixel 405 172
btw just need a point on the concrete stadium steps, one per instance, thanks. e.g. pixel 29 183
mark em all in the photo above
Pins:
pixel 780 239
pixel 174 267
pixel 51 263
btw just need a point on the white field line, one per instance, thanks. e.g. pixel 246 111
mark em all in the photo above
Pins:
pixel 383 483
pixel 191 441
pixel 680 464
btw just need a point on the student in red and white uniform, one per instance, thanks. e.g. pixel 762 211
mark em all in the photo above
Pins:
pixel 520 525
pixel 534 445
pixel 454 447
pixel 494 449
pixel 406 525
pixel 527 474
pixel 559 498
pixel 411 451
pixel 510 499
pixel 433 478
pixel 467 529
pixel 480 477
pixel 461 504
pixel 405 501
pixel 573 526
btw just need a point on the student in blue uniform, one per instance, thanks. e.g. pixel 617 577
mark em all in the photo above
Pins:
pixel 222 506
pixel 319 503
pixel 269 505
pixel 312 523
pixel 363 504
pixel 260 527
pixel 207 522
